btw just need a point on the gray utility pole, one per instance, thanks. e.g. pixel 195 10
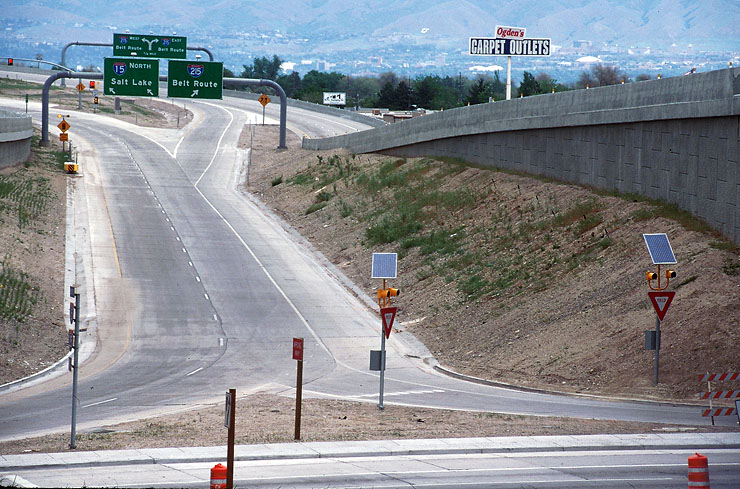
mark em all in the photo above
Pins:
pixel 249 82
pixel 110 45
pixel 75 365
pixel 657 350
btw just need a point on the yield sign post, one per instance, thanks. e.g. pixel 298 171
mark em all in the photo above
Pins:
pixel 387 314
pixel 661 301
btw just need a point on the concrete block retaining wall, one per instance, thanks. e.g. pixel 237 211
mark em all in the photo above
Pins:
pixel 676 139
pixel 15 138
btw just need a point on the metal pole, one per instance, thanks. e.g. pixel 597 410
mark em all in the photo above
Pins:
pixel 75 366
pixel 382 367
pixel 298 398
pixel 657 349
pixel 45 98
pixel 508 78
pixel 249 164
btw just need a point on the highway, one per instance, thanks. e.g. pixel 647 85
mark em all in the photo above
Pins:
pixel 194 289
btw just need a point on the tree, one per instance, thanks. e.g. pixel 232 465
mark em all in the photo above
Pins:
pixel 608 75
pixel 549 84
pixel 402 99
pixel 263 68
pixel 315 82
pixel 387 96
pixel 424 91
pixel 643 77
pixel 601 76
pixel 585 79
pixel 478 92
pixel 529 85
pixel 228 73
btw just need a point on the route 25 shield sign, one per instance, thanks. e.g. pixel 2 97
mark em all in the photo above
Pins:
pixel 195 70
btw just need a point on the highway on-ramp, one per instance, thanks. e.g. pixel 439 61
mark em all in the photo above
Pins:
pixel 195 289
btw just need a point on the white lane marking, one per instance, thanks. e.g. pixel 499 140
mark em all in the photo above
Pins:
pixel 177 146
pixel 190 263
pixel 402 393
pixel 184 251
pixel 206 296
pixel 158 144
pixel 194 372
pixel 197 278
pixel 101 402
pixel 246 246
pixel 218 145
pixel 215 318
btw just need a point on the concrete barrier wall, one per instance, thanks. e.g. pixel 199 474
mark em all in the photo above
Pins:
pixel 323 109
pixel 15 138
pixel 675 139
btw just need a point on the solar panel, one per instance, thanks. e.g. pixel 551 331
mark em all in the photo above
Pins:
pixel 659 249
pixel 384 265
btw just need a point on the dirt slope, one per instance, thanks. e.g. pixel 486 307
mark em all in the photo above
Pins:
pixel 512 278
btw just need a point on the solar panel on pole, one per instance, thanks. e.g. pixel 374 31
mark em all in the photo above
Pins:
pixel 660 249
pixel 384 265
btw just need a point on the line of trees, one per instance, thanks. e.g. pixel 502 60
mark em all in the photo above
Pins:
pixel 424 91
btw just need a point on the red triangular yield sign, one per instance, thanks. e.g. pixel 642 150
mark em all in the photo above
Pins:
pixel 661 301
pixel 388 314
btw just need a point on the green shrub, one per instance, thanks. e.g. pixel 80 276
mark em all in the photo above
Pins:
pixel 315 207
pixel 392 228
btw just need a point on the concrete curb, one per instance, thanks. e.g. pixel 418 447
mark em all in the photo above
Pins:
pixel 381 448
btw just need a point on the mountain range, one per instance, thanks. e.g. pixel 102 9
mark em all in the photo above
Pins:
pixel 706 24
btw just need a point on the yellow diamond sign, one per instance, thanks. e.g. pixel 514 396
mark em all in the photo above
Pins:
pixel 63 126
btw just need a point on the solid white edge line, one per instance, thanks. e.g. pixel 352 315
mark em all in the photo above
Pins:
pixel 101 402
pixel 194 372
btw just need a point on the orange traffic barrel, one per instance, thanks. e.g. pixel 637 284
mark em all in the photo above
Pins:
pixel 698 472
pixel 218 477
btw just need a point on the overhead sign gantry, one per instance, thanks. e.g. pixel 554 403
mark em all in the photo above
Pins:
pixel 149 46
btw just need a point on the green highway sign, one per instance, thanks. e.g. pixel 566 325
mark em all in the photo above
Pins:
pixel 148 46
pixel 195 79
pixel 135 77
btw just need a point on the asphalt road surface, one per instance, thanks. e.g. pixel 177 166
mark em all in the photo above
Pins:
pixel 191 289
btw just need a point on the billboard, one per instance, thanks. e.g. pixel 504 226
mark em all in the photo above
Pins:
pixel 491 46
pixel 335 98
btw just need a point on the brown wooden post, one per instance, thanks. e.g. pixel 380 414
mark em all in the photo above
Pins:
pixel 230 448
